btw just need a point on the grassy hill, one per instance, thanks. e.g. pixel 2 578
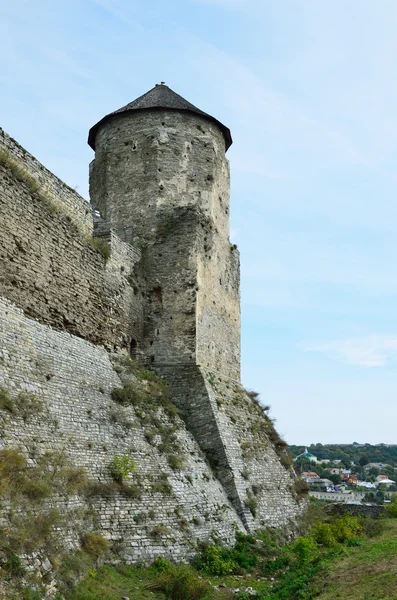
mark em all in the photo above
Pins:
pixel 368 572
pixel 362 565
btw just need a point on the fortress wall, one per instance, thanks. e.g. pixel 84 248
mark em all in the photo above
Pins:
pixel 64 196
pixel 74 379
pixel 262 481
pixel 48 268
pixel 231 430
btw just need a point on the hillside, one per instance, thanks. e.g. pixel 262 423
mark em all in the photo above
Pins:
pixel 367 572
pixel 351 452
pixel 362 569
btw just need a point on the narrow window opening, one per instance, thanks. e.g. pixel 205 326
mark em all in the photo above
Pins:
pixel 133 347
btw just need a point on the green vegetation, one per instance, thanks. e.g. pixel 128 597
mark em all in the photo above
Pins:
pixel 94 544
pixel 150 396
pixel 391 509
pixel 252 504
pixel 6 402
pixel 52 474
pixel 32 522
pixel 340 557
pixel 25 404
pixel 22 175
pixel 360 455
pixel 300 489
pixel 181 583
pixel 122 467
pixel 101 245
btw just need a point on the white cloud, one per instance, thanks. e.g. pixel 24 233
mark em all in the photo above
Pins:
pixel 370 351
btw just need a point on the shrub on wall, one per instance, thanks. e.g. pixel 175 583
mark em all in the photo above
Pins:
pixel 94 544
pixel 122 467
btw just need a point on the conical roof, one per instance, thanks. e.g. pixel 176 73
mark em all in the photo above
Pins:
pixel 159 98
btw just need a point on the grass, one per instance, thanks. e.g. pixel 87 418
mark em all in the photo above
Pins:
pixel 101 245
pixel 22 175
pixel 113 582
pixel 360 568
pixel 369 569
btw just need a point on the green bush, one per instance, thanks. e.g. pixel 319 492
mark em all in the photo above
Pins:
pixel 6 402
pixel 181 583
pixel 391 509
pixel 300 488
pixel 305 549
pixel 28 405
pixel 245 551
pixel 324 534
pixel 252 503
pixel 176 462
pixel 131 491
pixel 298 584
pixel 372 527
pixel 128 395
pixel 277 564
pixel 162 565
pixel 94 544
pixel 13 566
pixel 215 560
pixel 347 529
pixel 159 531
pixel 29 593
pixel 163 486
pixel 122 466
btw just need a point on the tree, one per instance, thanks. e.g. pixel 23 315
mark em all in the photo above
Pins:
pixel 364 460
pixel 335 478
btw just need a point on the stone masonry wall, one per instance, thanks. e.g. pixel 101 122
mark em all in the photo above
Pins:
pixel 74 379
pixel 64 307
pixel 357 510
pixel 53 272
pixel 234 435
pixel 61 194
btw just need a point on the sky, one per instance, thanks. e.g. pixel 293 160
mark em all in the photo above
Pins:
pixel 309 91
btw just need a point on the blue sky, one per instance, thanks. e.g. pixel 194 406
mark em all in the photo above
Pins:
pixel 309 91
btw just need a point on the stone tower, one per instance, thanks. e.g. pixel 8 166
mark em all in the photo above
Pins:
pixel 160 166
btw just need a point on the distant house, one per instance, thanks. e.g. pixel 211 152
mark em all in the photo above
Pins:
pixel 306 454
pixel 321 485
pixel 347 476
pixel 384 480
pixel 375 465
pixel 309 476
pixel 352 479
pixel 334 471
pixel 323 461
pixel 366 484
